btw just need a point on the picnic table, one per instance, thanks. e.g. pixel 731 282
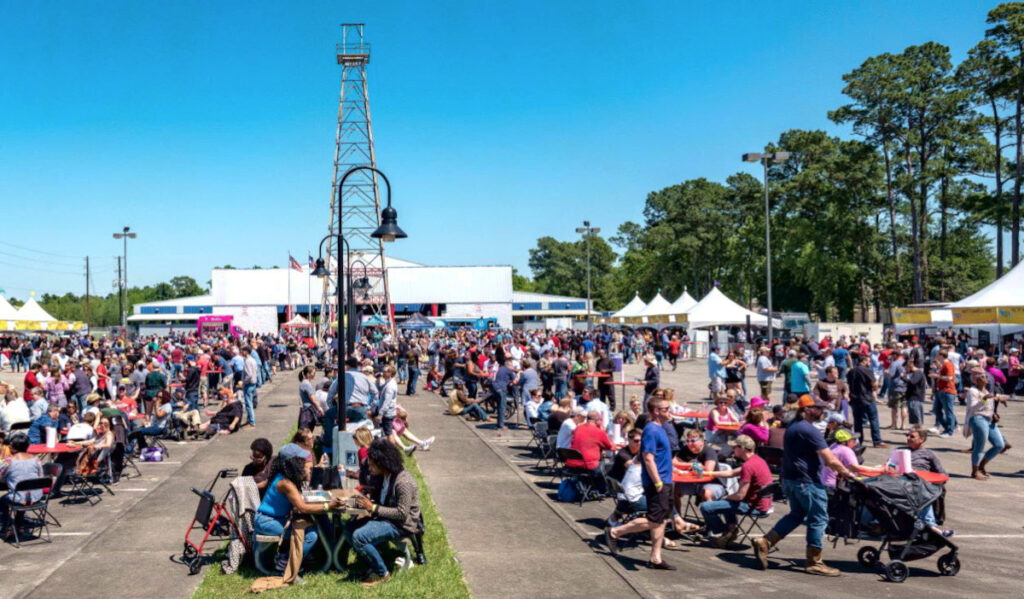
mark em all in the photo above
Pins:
pixel 925 475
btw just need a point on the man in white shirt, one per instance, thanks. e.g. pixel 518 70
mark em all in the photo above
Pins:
pixel 15 410
pixel 765 373
pixel 576 418
pixel 83 431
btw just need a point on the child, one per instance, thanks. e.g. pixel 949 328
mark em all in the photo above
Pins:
pixel 400 426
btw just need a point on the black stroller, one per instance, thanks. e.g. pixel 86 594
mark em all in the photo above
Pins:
pixel 895 503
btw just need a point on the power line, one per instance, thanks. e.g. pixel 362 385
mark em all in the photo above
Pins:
pixel 28 249
pixel 43 260
pixel 34 269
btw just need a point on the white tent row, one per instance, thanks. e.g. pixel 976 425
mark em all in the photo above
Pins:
pixel 7 311
pixel 715 309
pixel 33 311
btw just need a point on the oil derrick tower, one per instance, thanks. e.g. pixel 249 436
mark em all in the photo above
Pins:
pixel 358 212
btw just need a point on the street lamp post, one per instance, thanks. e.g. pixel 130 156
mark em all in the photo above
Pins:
pixel 387 231
pixel 764 159
pixel 125 234
pixel 587 230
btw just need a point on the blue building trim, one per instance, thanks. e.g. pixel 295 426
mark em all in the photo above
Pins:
pixel 528 306
pixel 158 310
pixel 197 309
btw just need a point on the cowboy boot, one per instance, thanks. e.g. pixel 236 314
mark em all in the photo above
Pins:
pixel 762 545
pixel 816 566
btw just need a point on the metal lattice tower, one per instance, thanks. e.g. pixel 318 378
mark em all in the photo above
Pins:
pixel 360 199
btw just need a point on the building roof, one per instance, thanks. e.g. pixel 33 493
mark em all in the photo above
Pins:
pixel 162 317
pixel 530 296
pixel 194 300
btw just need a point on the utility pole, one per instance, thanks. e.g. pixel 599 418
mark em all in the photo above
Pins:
pixel 120 289
pixel 88 311
pixel 125 234
pixel 588 231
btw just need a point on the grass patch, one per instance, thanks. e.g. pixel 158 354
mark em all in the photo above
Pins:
pixel 441 577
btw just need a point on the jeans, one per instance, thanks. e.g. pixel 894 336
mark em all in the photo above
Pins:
pixel 355 413
pixel 559 388
pixel 866 410
pixel 192 398
pixel 475 410
pixel 140 434
pixel 267 525
pixel 915 410
pixel 175 371
pixel 502 400
pixel 720 515
pixel 471 388
pixel 364 538
pixel 808 504
pixel 249 392
pixel 945 417
pixel 403 371
pixel 414 377
pixel 983 430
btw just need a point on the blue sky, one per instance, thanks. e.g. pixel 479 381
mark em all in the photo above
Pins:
pixel 208 127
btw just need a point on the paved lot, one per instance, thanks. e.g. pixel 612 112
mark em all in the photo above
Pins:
pixel 984 514
pixel 123 546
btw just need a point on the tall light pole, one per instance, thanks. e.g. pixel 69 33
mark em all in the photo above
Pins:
pixel 587 231
pixel 125 234
pixel 387 231
pixel 765 159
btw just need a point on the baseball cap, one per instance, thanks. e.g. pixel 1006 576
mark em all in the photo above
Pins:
pixel 843 435
pixel 807 401
pixel 743 441
pixel 291 451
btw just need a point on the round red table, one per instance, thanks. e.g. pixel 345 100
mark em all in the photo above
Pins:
pixel 682 476
pixel 59 448
pixel 692 414
pixel 728 428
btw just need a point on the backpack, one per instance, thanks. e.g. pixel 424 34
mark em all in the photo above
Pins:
pixel 568 492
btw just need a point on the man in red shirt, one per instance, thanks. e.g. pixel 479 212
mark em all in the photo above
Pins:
pixel 754 475
pixel 945 395
pixel 31 381
pixel 203 361
pixel 590 439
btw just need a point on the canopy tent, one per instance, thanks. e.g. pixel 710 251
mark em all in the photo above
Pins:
pixel 684 304
pixel 298 323
pixel 633 308
pixel 417 322
pixel 7 311
pixel 715 309
pixel 34 312
pixel 377 321
pixel 657 307
pixel 998 307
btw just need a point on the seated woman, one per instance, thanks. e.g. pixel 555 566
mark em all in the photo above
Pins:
pixel 401 428
pixel 20 466
pixel 363 438
pixel 226 420
pixel 289 470
pixel 102 439
pixel 459 402
pixel 394 510
pixel 259 464
pixel 754 426
pixel 158 423
pixel 722 414
pixel 433 379
pixel 620 426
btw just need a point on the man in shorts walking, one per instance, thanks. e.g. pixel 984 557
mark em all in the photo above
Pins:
pixel 657 482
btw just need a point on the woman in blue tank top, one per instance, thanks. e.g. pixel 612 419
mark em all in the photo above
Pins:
pixel 289 470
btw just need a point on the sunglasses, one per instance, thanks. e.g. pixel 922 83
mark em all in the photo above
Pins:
pixel 693 440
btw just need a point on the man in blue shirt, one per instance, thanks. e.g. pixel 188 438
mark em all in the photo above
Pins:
pixel 37 430
pixel 804 450
pixel 716 372
pixel 504 378
pixel 588 346
pixel 657 482
pixel 799 375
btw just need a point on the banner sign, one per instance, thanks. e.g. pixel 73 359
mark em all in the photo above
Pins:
pixel 965 316
pixel 1011 315
pixel 912 316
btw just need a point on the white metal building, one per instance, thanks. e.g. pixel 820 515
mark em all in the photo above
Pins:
pixel 257 299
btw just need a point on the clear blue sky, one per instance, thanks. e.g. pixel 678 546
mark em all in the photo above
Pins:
pixel 208 127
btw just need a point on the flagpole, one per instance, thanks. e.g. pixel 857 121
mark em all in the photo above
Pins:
pixel 309 292
pixel 288 309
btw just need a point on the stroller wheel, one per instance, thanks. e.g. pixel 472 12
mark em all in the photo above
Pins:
pixel 867 557
pixel 194 566
pixel 189 552
pixel 949 564
pixel 897 571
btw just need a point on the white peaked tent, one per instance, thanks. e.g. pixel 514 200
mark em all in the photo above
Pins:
pixel 633 308
pixel 658 306
pixel 1005 291
pixel 684 304
pixel 7 311
pixel 715 309
pixel 33 311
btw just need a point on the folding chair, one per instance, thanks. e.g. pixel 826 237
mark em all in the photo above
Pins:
pixel 771 455
pixel 20 426
pixel 754 516
pixel 38 509
pixel 540 434
pixel 559 469
pixel 120 429
pixel 621 506
pixel 547 452
pixel 584 478
pixel 56 473
pixel 88 485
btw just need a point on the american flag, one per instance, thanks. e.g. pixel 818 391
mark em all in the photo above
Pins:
pixel 293 263
pixel 312 263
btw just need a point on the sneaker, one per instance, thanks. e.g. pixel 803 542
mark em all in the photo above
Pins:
pixel 409 449
pixel 934 430
pixel 373 580
pixel 613 545
pixel 945 435
pixel 948 533
pixel 880 445
pixel 425 446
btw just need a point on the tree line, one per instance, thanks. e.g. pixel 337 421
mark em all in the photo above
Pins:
pixel 102 311
pixel 893 214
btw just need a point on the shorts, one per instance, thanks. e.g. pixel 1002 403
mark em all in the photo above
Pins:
pixel 896 400
pixel 659 503
pixel 766 390
pixel 387 426
pixel 204 384
pixel 717 385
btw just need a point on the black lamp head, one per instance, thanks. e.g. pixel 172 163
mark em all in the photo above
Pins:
pixel 389 229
